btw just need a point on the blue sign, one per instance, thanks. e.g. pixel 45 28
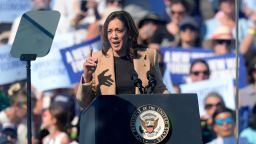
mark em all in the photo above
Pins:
pixel 73 57
pixel 177 61
pixel 244 113
pixel 225 66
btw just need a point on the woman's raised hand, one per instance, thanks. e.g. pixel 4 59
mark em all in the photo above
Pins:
pixel 89 67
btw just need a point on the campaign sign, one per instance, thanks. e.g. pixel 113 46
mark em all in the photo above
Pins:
pixel 223 86
pixel 74 56
pixel 49 72
pixel 177 61
pixel 11 9
pixel 11 69
pixel 225 66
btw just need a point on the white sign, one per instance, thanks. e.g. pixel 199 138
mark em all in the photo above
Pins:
pixel 222 86
pixel 49 72
pixel 11 69
pixel 11 9
pixel 222 67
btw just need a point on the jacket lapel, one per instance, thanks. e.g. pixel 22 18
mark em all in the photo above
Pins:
pixel 142 66
pixel 107 63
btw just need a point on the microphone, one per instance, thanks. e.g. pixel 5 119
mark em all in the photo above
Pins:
pixel 136 81
pixel 151 82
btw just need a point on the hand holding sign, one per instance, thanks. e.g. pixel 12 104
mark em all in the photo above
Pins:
pixel 89 67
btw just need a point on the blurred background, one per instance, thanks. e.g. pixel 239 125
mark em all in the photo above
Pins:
pixel 196 44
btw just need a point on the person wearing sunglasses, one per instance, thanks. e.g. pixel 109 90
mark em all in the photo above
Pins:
pixel 222 40
pixel 224 127
pixel 212 102
pixel 199 70
pixel 225 16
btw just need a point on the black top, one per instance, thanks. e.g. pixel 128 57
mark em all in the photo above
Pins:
pixel 123 70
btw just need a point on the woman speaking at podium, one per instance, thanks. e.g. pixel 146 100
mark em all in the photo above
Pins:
pixel 121 67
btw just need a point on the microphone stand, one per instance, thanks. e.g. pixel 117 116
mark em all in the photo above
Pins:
pixel 137 82
pixel 151 83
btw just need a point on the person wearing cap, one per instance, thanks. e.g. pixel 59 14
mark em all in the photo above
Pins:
pixel 147 27
pixel 222 40
pixel 189 33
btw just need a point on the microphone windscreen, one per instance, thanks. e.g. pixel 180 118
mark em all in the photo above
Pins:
pixel 151 78
pixel 150 75
pixel 134 75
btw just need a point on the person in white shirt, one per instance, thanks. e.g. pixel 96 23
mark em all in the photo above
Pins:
pixel 55 120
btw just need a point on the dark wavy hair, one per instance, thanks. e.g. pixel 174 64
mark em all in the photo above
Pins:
pixel 63 120
pixel 199 61
pixel 131 32
pixel 184 3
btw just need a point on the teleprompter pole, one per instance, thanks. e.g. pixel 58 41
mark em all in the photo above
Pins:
pixel 28 58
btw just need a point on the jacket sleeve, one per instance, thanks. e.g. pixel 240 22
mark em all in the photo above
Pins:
pixel 160 86
pixel 85 93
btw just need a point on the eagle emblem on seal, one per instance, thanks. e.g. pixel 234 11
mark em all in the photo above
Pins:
pixel 149 124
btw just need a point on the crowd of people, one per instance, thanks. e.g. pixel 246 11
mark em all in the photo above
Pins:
pixel 184 24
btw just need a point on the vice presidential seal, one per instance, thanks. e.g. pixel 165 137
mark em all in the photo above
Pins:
pixel 150 124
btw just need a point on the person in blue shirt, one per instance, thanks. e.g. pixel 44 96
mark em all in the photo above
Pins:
pixel 224 127
pixel 250 133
